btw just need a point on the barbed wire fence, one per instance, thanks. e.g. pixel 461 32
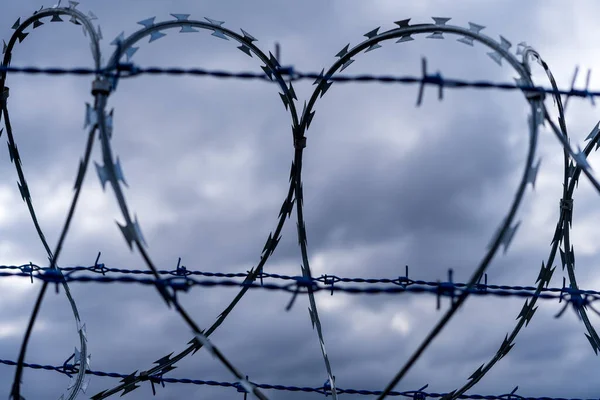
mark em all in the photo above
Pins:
pixel 99 120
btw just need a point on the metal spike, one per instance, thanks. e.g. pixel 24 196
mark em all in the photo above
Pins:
pixel 581 160
pixel 496 57
pixel 372 34
pixel 218 33
pixel 83 331
pixel 309 119
pixel 77 359
pixel 92 16
pixel 56 18
pixel 138 231
pixel 343 52
pixel 73 4
pixel 325 87
pixel 130 52
pixel 505 44
pixel 245 49
pixel 320 78
pixel 118 39
pixel 292 92
pixel 22 36
pixel 127 234
pixel 594 132
pixel 406 38
pixel 24 190
pixel 268 243
pixel 100 33
pixel 163 360
pixel 273 60
pixel 214 22
pixel 156 35
pixel 477 373
pixel 74 21
pixel 181 17
pixel 130 388
pixel 188 29
pixel 528 318
pixel 267 71
pixel 520 51
pixel 248 36
pixel 37 23
pixel 593 343
pixel 301 234
pixel 563 258
pixel 312 318
pixel 4 47
pixel 119 172
pixel 475 27
pixel 441 21
pixel 84 31
pixel 570 170
pixel 466 40
pixel 109 122
pixel 71 382
pixel 147 23
pixel 346 64
pixel 403 23
pixel 373 47
pixel 102 174
pixel 17 24
pixel 508 236
pixel 285 100
pixel 435 35
pixel 12 151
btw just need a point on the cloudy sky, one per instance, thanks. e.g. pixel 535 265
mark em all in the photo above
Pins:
pixel 386 185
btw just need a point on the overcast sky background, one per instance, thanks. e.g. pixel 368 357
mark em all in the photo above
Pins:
pixel 386 185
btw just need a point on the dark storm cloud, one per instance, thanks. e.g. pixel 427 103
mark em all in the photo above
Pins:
pixel 207 163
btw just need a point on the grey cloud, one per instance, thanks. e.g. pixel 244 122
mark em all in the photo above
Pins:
pixel 431 198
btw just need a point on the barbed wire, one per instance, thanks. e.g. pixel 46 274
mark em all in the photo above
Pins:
pixel 300 285
pixel 578 299
pixel 420 394
pixel 292 75
pixel 99 120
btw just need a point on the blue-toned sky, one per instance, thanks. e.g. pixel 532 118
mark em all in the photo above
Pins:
pixel 386 184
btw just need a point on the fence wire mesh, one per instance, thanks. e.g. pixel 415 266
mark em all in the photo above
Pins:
pixel 106 78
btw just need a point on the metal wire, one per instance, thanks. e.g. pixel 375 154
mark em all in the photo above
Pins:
pixel 413 394
pixel 130 70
